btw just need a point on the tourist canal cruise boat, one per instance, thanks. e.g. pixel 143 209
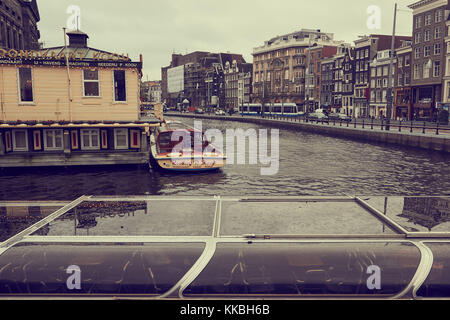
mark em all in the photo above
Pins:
pixel 173 148
pixel 226 248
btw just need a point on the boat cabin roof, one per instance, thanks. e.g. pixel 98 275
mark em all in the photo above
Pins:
pixel 233 247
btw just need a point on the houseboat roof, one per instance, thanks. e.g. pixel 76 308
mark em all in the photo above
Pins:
pixel 233 247
pixel 77 124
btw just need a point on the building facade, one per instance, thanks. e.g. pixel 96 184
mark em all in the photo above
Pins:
pixel 71 106
pixel 402 109
pixel 237 78
pixel 279 67
pixel 366 49
pixel 326 96
pixel 428 56
pixel 18 25
pixel 197 77
pixel 349 82
pixel 379 83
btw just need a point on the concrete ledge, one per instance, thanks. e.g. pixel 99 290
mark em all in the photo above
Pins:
pixel 414 140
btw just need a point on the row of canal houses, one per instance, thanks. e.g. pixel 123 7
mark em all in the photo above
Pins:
pixel 312 69
pixel 71 105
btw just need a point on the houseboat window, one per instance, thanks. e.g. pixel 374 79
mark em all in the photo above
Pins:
pixel 90 139
pixel 307 269
pixel 120 89
pixel 26 85
pixel 20 140
pixel 53 139
pixel 91 83
pixel 121 138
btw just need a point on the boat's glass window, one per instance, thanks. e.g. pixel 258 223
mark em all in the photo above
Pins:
pixel 95 269
pixel 437 284
pixel 135 218
pixel 255 109
pixel 299 218
pixel 305 269
pixel 15 219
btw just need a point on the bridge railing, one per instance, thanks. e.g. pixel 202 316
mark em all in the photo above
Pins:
pixel 370 124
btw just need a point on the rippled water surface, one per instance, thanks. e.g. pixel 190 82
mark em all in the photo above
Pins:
pixel 309 165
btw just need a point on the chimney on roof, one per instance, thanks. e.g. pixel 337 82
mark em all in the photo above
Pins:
pixel 77 39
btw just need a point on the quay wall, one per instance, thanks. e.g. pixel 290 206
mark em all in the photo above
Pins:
pixel 414 140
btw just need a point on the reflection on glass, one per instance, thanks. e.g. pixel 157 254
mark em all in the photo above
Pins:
pixel 15 219
pixel 306 269
pixel 427 212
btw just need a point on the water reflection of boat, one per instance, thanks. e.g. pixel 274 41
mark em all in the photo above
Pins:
pixel 174 148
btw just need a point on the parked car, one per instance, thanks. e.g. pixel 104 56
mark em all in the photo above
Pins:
pixel 199 111
pixel 220 113
pixel 318 116
pixel 339 117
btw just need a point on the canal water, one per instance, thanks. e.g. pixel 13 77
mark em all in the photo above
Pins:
pixel 309 165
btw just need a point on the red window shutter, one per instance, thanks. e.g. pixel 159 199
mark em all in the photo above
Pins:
pixel 8 141
pixel 37 140
pixel 74 140
pixel 135 141
pixel 104 139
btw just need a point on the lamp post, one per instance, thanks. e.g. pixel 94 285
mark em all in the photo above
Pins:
pixel 390 96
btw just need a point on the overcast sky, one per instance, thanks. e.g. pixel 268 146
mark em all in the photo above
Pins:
pixel 157 28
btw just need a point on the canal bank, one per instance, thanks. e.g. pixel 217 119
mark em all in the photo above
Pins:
pixel 366 132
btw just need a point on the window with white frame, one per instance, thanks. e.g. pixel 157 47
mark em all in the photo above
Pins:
pixel 426 70
pixel 53 139
pixel 437 33
pixel 417 38
pixel 91 83
pixel 428 19
pixel 417 53
pixel 121 139
pixel 90 139
pixel 436 69
pixel 418 22
pixel 25 85
pixel 416 71
pixel 20 140
pixel 437 49
pixel 426 36
pixel 426 51
pixel 438 16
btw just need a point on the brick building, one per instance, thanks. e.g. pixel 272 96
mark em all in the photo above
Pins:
pixel 279 66
pixel 237 84
pixel 428 55
pixel 18 25
pixel 198 77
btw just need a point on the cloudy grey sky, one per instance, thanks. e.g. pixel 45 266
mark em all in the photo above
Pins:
pixel 157 28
